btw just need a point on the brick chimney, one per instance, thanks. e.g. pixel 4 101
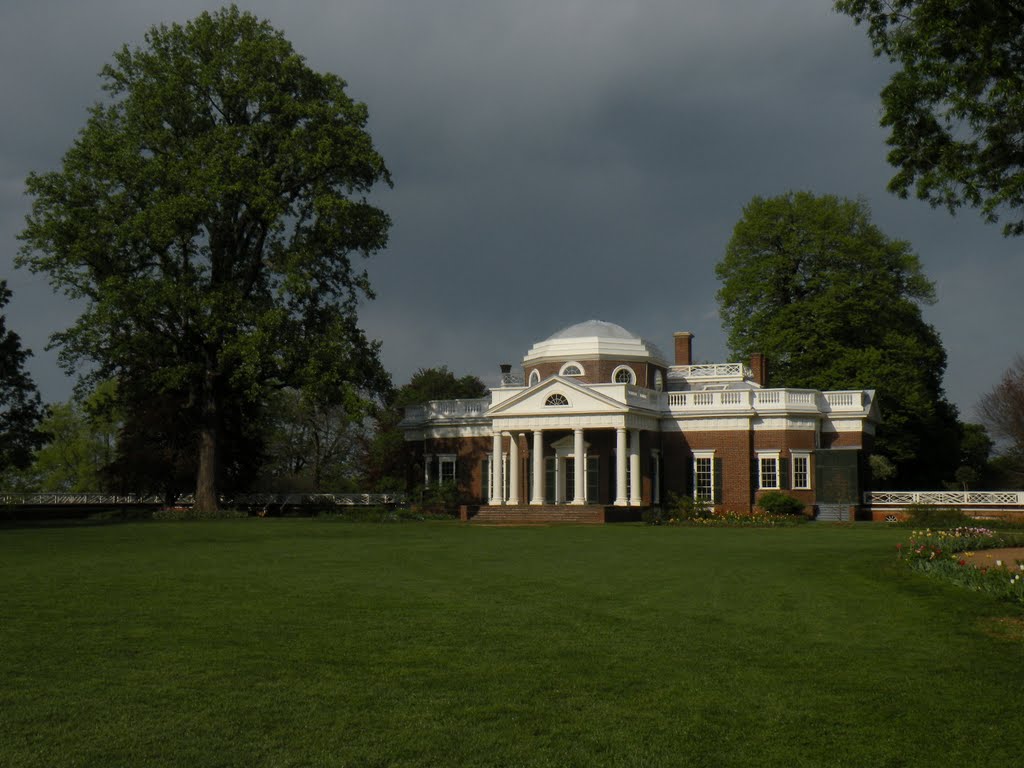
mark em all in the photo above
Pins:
pixel 684 347
pixel 759 367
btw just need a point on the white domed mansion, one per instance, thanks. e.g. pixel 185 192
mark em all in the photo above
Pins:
pixel 600 419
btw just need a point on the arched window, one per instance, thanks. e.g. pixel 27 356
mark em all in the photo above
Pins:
pixel 534 377
pixel 571 369
pixel 659 381
pixel 556 400
pixel 624 375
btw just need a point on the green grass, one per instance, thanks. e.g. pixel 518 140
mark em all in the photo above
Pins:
pixel 318 643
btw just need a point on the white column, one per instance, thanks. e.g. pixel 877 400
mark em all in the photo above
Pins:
pixel 513 469
pixel 635 478
pixel 427 457
pixel 620 468
pixel 496 484
pixel 580 491
pixel 538 467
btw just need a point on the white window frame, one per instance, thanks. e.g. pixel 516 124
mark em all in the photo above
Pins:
pixel 659 381
pixel 444 459
pixel 762 457
pixel 708 456
pixel 534 377
pixel 627 369
pixel 798 456
pixel 565 366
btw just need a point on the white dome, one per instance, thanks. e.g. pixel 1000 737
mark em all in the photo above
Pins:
pixel 594 339
pixel 593 329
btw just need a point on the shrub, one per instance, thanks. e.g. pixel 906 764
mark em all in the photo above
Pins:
pixel 188 513
pixel 779 503
pixel 688 508
pixel 936 517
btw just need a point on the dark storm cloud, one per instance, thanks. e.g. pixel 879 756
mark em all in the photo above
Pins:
pixel 552 162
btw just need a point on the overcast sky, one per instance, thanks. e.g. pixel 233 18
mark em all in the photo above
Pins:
pixel 553 162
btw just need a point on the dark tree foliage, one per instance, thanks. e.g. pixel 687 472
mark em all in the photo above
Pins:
pixel 955 106
pixel 836 304
pixel 207 217
pixel 386 455
pixel 21 409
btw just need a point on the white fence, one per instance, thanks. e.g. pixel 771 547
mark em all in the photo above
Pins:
pixel 946 498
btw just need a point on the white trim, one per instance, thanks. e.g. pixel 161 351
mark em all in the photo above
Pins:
pixel 762 456
pixel 794 455
pixel 447 458
pixel 708 455
pixel 632 375
pixel 566 366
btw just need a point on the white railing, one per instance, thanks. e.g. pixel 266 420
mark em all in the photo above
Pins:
pixel 711 371
pixel 512 380
pixel 739 399
pixel 838 401
pixel 943 498
pixel 447 409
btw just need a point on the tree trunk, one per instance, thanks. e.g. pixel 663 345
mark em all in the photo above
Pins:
pixel 209 458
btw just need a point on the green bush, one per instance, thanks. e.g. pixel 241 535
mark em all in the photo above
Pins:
pixel 920 515
pixel 779 503
pixel 688 508
pixel 189 513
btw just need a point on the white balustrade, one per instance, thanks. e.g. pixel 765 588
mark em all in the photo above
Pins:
pixel 941 498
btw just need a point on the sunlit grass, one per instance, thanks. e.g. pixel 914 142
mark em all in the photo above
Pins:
pixel 313 643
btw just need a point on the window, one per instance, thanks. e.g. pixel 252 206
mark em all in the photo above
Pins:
pixel 571 369
pixel 704 476
pixel 534 377
pixel 446 468
pixel 801 470
pixel 556 400
pixel 768 470
pixel 659 381
pixel 623 375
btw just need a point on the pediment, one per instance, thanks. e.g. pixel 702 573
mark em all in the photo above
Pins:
pixel 580 398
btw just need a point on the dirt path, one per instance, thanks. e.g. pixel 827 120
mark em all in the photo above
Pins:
pixel 986 558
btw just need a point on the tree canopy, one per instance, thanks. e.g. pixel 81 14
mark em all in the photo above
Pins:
pixel 207 216
pixel 836 304
pixel 386 459
pixel 1002 410
pixel 21 408
pixel 955 106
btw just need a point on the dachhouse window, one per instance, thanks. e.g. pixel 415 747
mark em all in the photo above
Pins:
pixel 571 369
pixel 624 375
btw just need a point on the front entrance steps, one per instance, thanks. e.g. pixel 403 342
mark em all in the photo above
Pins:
pixel 549 514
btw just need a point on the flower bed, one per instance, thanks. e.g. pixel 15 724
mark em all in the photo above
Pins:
pixel 949 555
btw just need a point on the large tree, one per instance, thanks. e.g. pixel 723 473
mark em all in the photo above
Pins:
pixel 20 406
pixel 207 216
pixel 1002 411
pixel 386 459
pixel 836 304
pixel 955 105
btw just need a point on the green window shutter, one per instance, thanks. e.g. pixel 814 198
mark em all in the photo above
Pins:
pixel 784 474
pixel 718 481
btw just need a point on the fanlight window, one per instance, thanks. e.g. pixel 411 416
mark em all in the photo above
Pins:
pixel 572 369
pixel 623 375
pixel 556 399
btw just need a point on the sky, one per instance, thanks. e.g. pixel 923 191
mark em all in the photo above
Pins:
pixel 553 162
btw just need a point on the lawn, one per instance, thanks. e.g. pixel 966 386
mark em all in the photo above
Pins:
pixel 318 643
